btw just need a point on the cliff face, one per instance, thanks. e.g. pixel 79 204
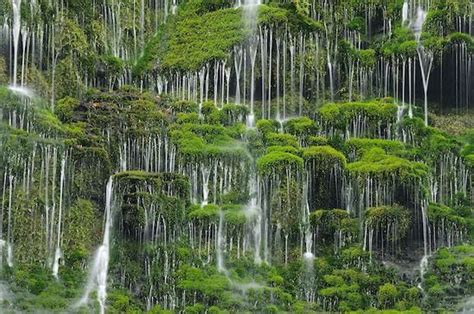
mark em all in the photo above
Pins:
pixel 211 156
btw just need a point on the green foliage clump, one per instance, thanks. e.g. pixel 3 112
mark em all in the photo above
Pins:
pixel 278 163
pixel 280 139
pixel 376 163
pixel 193 40
pixel 81 233
pixel 330 223
pixel 208 212
pixel 301 127
pixel 446 216
pixel 65 108
pixel 384 216
pixel 340 115
pixel 267 126
pixel 450 276
pixel 359 146
pixel 324 156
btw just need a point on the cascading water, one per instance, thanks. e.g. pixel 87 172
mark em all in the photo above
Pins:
pixel 220 245
pixel 250 9
pixel 16 5
pixel 57 253
pixel 254 215
pixel 253 211
pixel 425 56
pixel 97 277
pixel 405 13
pixel 426 253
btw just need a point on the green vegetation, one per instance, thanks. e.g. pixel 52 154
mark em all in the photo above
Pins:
pixel 258 167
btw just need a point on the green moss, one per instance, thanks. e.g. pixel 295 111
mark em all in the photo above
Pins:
pixel 193 40
pixel 281 139
pixel 65 108
pixel 287 149
pixel 367 58
pixel 210 284
pixel 317 141
pixel 462 38
pixel 387 295
pixel 325 156
pixel 278 163
pixel 339 115
pixel 360 146
pixel 450 276
pixel 267 126
pixel 384 216
pixel 81 232
pixel 376 163
pixel 205 213
pixel 329 219
pixel 441 214
pixel 199 142
pixel 300 127
pixel 234 215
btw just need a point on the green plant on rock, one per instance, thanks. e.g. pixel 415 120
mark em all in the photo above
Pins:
pixel 378 116
pixel 279 163
pixel 376 163
pixel 393 220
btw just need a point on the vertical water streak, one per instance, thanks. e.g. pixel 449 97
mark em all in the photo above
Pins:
pixel 16 5
pixel 97 277
pixel 57 253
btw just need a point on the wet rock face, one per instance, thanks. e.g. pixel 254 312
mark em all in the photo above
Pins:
pixel 212 156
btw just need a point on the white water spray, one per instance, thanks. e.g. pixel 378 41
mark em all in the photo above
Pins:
pixel 253 212
pixel 22 91
pixel 424 260
pixel 97 278
pixel 405 13
pixel 57 253
pixel 16 5
pixel 220 245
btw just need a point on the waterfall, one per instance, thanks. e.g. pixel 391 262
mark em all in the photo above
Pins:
pixel 16 4
pixel 405 13
pixel 425 56
pixel 426 245
pixel 417 24
pixel 97 277
pixel 253 57
pixel 253 212
pixel 206 173
pixel 250 13
pixel 308 256
pixel 220 245
pixel 250 20
pixel 426 64
pixel 57 253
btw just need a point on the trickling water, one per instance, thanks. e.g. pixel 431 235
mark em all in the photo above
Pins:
pixel 426 64
pixel 57 253
pixel 220 245
pixel 308 235
pixel 405 13
pixel 206 173
pixel 331 78
pixel 417 24
pixel 253 58
pixel 16 5
pixel 250 13
pixel 97 277
pixel 425 56
pixel 424 260
pixel 253 212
